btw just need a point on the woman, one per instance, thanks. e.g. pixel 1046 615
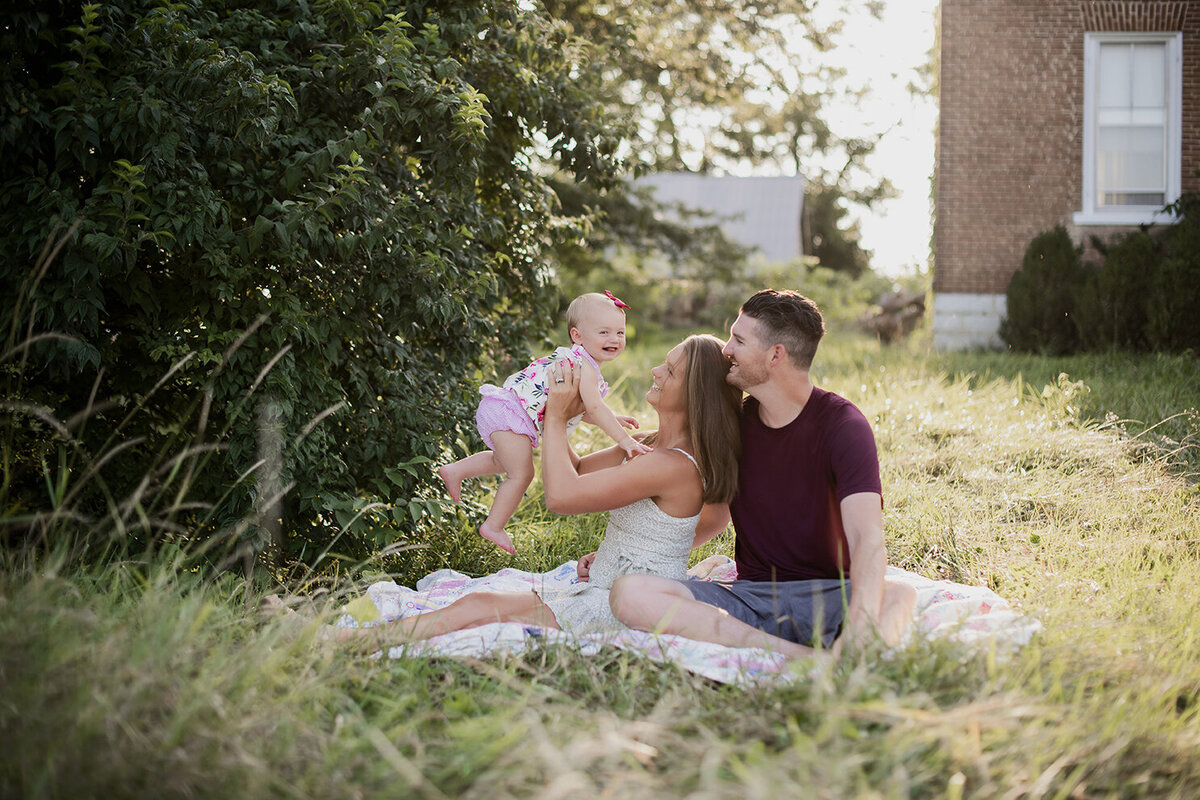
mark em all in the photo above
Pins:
pixel 655 500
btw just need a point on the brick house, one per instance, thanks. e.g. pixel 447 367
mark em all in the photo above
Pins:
pixel 1084 113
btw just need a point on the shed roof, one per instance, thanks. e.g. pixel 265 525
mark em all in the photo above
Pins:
pixel 762 212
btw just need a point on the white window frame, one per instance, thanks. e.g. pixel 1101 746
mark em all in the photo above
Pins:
pixel 1131 215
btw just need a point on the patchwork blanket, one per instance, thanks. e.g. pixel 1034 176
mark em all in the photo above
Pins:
pixel 969 614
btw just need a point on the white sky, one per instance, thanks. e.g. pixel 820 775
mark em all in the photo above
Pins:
pixel 885 54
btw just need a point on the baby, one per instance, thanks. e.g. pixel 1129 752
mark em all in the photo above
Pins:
pixel 510 417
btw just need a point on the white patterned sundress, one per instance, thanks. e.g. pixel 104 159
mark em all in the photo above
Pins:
pixel 529 386
pixel 641 538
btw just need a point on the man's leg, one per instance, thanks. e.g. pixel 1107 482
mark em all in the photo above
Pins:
pixel 661 605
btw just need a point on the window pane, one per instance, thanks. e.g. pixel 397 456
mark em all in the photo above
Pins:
pixel 1132 199
pixel 1131 124
pixel 1114 76
pixel 1149 75
pixel 1129 160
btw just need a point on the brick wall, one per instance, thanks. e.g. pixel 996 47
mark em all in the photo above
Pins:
pixel 1010 139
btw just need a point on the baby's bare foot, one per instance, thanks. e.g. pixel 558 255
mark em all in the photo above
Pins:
pixel 453 484
pixel 499 538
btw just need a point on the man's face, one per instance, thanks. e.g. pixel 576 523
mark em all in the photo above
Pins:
pixel 748 355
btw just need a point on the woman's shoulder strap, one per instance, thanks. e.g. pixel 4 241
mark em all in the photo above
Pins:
pixel 691 458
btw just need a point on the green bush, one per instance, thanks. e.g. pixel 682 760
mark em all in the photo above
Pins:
pixel 1111 311
pixel 1143 295
pixel 324 220
pixel 1042 296
pixel 1173 322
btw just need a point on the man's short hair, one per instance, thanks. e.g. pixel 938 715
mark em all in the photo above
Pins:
pixel 790 319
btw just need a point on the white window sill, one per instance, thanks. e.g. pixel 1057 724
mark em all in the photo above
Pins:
pixel 1130 217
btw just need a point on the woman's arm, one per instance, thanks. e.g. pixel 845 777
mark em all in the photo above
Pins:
pixel 608 457
pixel 569 492
pixel 714 518
pixel 601 459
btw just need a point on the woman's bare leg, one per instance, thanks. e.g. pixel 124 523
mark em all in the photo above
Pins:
pixel 661 605
pixel 469 611
pixel 514 452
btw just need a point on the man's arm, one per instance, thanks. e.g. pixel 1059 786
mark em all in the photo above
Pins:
pixel 862 519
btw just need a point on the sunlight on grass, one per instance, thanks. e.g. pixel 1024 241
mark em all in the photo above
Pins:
pixel 146 679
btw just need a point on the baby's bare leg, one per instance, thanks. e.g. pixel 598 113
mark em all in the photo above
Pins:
pixel 514 452
pixel 474 465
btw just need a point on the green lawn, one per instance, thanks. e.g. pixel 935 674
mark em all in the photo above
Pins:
pixel 144 680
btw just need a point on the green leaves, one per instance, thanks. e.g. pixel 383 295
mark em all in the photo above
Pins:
pixel 366 176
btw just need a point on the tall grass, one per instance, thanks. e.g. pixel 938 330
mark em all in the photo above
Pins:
pixel 145 679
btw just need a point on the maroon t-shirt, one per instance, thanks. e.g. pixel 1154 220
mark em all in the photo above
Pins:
pixel 787 512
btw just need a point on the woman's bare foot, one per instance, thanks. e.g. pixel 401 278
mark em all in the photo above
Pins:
pixel 332 634
pixel 499 538
pixel 453 483
pixel 273 606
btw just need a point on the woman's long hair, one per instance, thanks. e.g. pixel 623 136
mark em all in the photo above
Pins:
pixel 713 416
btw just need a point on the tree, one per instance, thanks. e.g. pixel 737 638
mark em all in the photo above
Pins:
pixel 718 86
pixel 319 219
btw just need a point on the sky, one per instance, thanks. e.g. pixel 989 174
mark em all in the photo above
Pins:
pixel 885 54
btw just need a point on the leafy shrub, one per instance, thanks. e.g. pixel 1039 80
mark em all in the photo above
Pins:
pixel 1174 291
pixel 1143 295
pixel 1042 296
pixel 1111 311
pixel 324 215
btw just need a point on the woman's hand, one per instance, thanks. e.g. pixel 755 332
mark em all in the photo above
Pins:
pixel 563 400
pixel 583 567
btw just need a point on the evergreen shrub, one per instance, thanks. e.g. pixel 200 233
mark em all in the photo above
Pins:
pixel 1111 311
pixel 1144 295
pixel 1173 301
pixel 1042 296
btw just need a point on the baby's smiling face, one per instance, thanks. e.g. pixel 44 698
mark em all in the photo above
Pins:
pixel 601 332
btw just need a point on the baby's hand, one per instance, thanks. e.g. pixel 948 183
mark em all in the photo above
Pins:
pixel 633 448
pixel 627 422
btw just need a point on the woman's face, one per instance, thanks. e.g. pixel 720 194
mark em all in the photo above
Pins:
pixel 667 389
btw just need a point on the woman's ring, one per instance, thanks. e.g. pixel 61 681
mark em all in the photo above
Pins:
pixel 558 380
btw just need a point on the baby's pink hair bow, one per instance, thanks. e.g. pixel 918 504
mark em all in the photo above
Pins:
pixel 618 302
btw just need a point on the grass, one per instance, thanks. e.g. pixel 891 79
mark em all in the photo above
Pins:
pixel 145 679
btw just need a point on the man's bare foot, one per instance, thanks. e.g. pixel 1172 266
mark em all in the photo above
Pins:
pixel 499 538
pixel 899 600
pixel 705 568
pixel 453 484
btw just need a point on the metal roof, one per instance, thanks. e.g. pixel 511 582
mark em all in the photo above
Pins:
pixel 761 212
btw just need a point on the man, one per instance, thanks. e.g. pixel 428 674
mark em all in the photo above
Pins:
pixel 808 513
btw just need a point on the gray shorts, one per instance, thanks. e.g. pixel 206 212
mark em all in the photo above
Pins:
pixel 799 611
